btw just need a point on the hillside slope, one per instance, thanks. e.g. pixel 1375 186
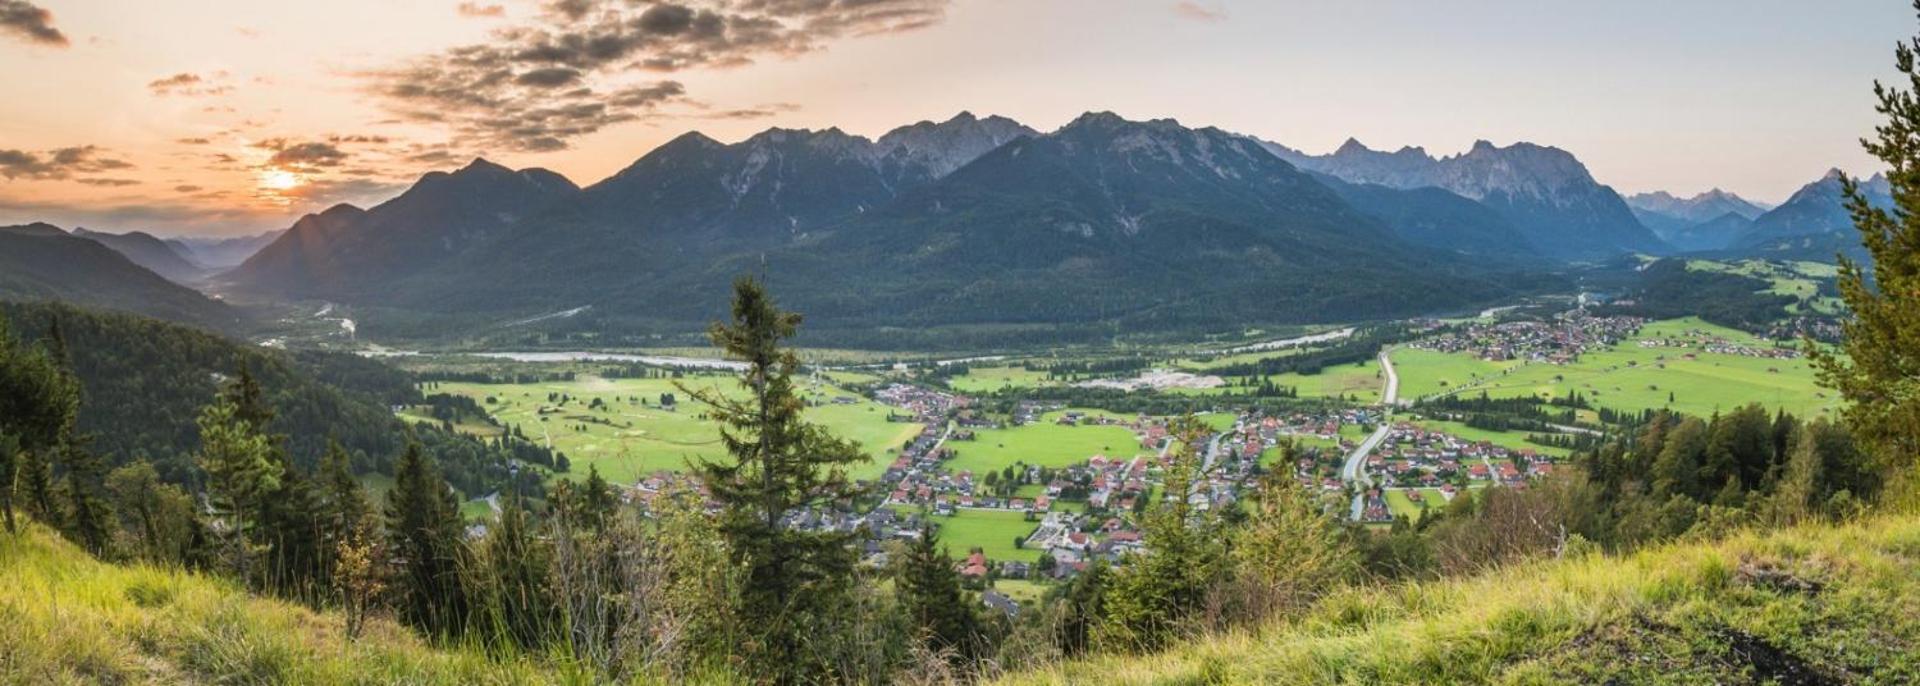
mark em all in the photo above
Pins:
pixel 1813 605
pixel 67 618
pixel 41 262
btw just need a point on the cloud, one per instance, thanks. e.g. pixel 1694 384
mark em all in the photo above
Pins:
pixel 186 188
pixel 756 112
pixel 193 141
pixel 61 163
pixel 1191 9
pixel 111 183
pixel 362 192
pixel 189 84
pixel 574 69
pixel 474 9
pixel 302 156
pixel 27 20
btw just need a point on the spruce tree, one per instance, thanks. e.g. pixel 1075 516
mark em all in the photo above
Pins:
pixel 780 466
pixel 89 517
pixel 425 537
pixel 931 596
pixel 240 472
pixel 1155 596
pixel 1877 374
pixel 39 402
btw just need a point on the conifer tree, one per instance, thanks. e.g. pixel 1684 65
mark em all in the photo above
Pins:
pixel 1154 596
pixel 239 473
pixel 934 603
pixel 424 534
pixel 1877 374
pixel 89 517
pixel 38 406
pixel 780 465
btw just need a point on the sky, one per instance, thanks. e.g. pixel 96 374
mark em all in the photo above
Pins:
pixel 227 117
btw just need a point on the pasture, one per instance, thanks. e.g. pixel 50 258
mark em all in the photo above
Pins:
pixel 621 426
pixel 1633 377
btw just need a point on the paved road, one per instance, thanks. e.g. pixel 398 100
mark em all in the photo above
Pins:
pixel 1354 473
pixel 1392 395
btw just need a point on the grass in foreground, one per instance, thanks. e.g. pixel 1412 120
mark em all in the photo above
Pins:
pixel 1812 605
pixel 68 619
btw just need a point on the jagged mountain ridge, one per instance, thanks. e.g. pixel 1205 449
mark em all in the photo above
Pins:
pixel 1543 190
pixel 1812 215
pixel 660 237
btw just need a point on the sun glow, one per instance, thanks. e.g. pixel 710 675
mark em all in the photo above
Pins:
pixel 279 180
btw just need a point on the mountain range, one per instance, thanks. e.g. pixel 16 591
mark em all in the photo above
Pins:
pixel 970 220
pixel 40 262
pixel 1543 191
pixel 1104 222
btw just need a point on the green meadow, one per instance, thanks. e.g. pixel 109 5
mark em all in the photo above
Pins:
pixel 1631 377
pixel 630 434
pixel 990 379
pixel 1042 444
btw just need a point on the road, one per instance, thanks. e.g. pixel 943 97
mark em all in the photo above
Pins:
pixel 1354 473
pixel 1391 397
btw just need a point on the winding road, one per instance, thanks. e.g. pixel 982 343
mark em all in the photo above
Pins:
pixel 1354 473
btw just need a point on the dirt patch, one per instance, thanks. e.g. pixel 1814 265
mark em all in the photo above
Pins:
pixel 1771 664
pixel 1780 578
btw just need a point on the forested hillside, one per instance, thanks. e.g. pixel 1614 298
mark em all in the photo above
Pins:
pixel 143 382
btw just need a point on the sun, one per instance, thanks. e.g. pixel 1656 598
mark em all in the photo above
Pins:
pixel 279 180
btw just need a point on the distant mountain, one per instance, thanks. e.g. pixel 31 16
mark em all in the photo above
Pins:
pixel 40 262
pixel 1699 208
pixel 347 252
pixel 971 220
pixel 223 253
pixel 1707 221
pixel 147 251
pixel 1814 213
pixel 1435 218
pixel 1713 234
pixel 1544 191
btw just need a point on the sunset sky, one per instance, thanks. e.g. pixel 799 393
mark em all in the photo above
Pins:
pixel 229 117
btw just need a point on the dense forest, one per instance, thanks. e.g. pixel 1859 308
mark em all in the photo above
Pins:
pixel 143 381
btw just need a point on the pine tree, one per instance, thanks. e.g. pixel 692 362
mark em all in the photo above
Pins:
pixel 1876 375
pixel 240 472
pixel 934 603
pixel 1156 595
pixel 425 538
pixel 38 406
pixel 780 465
pixel 89 517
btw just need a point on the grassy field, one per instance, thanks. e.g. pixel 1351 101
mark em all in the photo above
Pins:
pixel 631 435
pixel 68 619
pixel 1514 440
pixel 990 379
pixel 1041 444
pixel 1631 377
pixel 1796 279
pixel 1690 613
pixel 992 531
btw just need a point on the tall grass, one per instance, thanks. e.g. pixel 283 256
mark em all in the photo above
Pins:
pixel 1839 601
pixel 66 618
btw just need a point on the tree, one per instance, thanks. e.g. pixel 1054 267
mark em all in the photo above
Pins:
pixel 158 515
pixel 934 603
pixel 1876 375
pixel 1156 595
pixel 424 536
pixel 1289 550
pixel 89 518
pixel 38 404
pixel 238 463
pixel 780 465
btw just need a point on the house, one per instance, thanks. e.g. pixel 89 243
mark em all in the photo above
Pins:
pixel 1015 570
pixel 975 567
